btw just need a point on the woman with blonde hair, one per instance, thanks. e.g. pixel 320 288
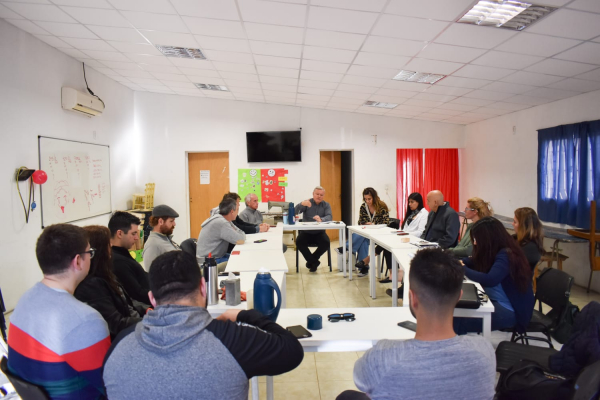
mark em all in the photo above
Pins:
pixel 476 209
pixel 529 234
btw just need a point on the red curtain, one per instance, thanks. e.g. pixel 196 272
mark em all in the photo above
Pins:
pixel 441 173
pixel 409 177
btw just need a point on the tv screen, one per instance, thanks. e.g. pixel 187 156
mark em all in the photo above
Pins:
pixel 273 146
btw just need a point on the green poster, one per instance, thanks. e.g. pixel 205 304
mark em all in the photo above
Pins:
pixel 249 182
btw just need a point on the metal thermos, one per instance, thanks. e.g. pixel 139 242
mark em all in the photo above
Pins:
pixel 232 291
pixel 212 280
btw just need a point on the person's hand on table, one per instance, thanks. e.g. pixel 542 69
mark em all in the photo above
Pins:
pixel 368 223
pixel 263 227
pixel 229 315
pixel 317 218
pixel 306 203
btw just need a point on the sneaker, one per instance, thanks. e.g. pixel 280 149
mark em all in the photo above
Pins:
pixel 313 269
pixel 386 280
pixel 339 250
pixel 364 271
pixel 360 264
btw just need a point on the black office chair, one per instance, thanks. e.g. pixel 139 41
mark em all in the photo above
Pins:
pixel 509 353
pixel 189 246
pixel 26 390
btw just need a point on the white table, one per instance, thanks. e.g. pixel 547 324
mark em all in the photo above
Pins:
pixel 273 241
pixel 365 231
pixel 253 260
pixel 322 226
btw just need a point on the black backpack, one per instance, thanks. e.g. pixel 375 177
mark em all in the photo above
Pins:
pixel 528 380
pixel 562 331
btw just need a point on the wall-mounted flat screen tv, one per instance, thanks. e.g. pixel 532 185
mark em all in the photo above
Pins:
pixel 273 146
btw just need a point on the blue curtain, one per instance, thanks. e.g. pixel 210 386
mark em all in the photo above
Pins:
pixel 569 173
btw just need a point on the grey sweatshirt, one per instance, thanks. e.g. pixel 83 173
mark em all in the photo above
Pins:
pixel 251 216
pixel 215 236
pixel 156 245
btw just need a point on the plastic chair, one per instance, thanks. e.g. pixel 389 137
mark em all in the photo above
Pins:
pixel 594 237
pixel 26 390
pixel 189 246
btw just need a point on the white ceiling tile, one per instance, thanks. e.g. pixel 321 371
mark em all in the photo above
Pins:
pixel 482 37
pixel 231 67
pixel 408 27
pixel 170 77
pixel 119 79
pixel 156 22
pixel 280 100
pixel 479 72
pixel 83 3
pixel 396 93
pixel 93 16
pixel 315 97
pixel 447 90
pixel 309 90
pixel 74 53
pixel 455 81
pixel 237 89
pixel 272 13
pixel 8 13
pixel 146 81
pixel 559 67
pixel 89 44
pixel 434 97
pixel 185 90
pixel 593 75
pixel 91 63
pixel 432 9
pixel 53 41
pixel 29 26
pixel 381 60
pixel 217 94
pixel 586 5
pixel 190 63
pixel 40 12
pixel 457 107
pixel 273 33
pixel 213 27
pixel 33 1
pixel 244 84
pixel 442 111
pixel 363 80
pixel 170 39
pixel 331 19
pixel 356 88
pixel 218 9
pixel 360 5
pixel 106 55
pixel 149 59
pixel 488 95
pixel 318 84
pixel 120 65
pixel 398 47
pixel 134 86
pixel 279 88
pixel 320 76
pixel 279 80
pixel 553 94
pixel 133 73
pixel 408 86
pixel 163 68
pixel 530 78
pixel 345 100
pixel 340 107
pixel 411 109
pixel 422 103
pixel 337 40
pixel 353 95
pixel 223 44
pixel 312 65
pixel 506 60
pixel 506 87
pixel 431 116
pixel 327 54
pixel 274 71
pixel 532 101
pixel 106 71
pixel 537 45
pixel 578 85
pixel 444 52
pixel 212 80
pixel 509 106
pixel 135 48
pixel 432 66
pixel 118 34
pixel 587 53
pixel 372 72
pixel 276 49
pixel 568 23
pixel 203 72
pixel 491 111
pixel 227 56
pixel 282 62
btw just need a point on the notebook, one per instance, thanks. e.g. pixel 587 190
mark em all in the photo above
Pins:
pixel 470 298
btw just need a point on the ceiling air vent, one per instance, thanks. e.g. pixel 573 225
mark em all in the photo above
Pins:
pixel 208 86
pixel 418 77
pixel 380 104
pixel 514 15
pixel 181 52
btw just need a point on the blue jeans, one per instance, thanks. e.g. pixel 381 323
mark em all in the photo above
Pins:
pixel 223 259
pixel 502 318
pixel 360 246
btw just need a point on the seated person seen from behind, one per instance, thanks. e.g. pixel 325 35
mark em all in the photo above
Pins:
pixel 436 363
pixel 475 210
pixel 125 232
pixel 160 239
pixel 529 234
pixel 193 355
pixel 55 341
pixel 101 290
pixel 443 225
pixel 218 232
pixel 246 227
pixel 499 265
pixel 313 210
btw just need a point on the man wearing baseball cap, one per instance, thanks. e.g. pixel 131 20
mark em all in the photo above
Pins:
pixel 161 238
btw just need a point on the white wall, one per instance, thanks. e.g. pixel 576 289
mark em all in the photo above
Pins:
pixel 501 167
pixel 31 76
pixel 170 126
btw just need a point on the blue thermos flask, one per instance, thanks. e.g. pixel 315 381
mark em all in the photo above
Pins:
pixel 291 214
pixel 264 288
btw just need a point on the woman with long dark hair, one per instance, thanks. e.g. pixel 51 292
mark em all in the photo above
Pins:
pixel 415 217
pixel 499 265
pixel 101 290
pixel 529 234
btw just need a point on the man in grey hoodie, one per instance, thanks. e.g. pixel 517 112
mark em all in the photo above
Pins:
pixel 218 232
pixel 178 351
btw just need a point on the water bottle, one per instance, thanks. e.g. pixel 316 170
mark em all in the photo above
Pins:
pixel 291 215
pixel 212 280
pixel 264 289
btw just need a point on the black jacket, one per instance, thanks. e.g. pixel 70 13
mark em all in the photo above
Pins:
pixel 244 226
pixel 118 310
pixel 442 227
pixel 130 274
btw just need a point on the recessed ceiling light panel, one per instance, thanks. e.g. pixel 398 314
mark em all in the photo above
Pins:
pixel 181 52
pixel 515 15
pixel 208 86
pixel 380 104
pixel 418 77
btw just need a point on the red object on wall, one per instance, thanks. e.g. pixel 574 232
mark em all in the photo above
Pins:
pixel 39 177
pixel 441 173
pixel 271 179
pixel 409 177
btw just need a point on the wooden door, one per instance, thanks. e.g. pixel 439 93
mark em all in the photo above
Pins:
pixel 204 197
pixel 331 180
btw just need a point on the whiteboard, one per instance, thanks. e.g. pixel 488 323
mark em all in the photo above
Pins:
pixel 78 184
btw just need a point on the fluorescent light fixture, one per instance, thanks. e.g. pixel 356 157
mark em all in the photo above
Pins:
pixel 507 14
pixel 380 104
pixel 418 77
pixel 208 86
pixel 181 52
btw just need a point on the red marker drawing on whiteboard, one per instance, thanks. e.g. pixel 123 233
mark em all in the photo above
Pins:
pixel 62 208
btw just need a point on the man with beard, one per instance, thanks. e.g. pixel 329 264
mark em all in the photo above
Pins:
pixel 437 362
pixel 161 238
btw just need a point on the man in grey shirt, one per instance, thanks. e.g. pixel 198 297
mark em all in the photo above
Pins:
pixel 436 363
pixel 251 213
pixel 218 232
pixel 160 239
pixel 313 210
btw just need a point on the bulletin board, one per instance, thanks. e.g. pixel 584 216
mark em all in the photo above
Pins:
pixel 78 185
pixel 268 184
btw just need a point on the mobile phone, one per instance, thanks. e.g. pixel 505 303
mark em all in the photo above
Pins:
pixel 260 240
pixel 227 273
pixel 299 331
pixel 411 326
pixel 402 234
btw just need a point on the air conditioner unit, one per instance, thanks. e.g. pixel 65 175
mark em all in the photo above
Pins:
pixel 74 100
